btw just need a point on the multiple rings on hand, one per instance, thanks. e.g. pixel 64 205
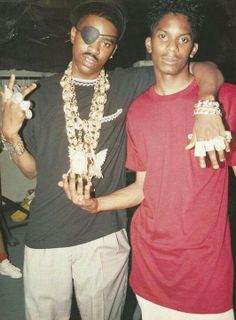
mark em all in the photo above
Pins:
pixel 25 106
pixel 217 143
pixel 16 97
pixel 80 198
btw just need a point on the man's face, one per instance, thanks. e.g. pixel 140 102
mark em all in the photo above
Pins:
pixel 171 44
pixel 89 58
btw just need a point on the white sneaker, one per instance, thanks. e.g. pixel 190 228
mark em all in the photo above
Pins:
pixel 7 269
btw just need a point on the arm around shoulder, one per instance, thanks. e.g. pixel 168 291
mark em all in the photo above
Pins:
pixel 209 79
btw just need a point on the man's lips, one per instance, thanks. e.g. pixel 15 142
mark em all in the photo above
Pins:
pixel 90 59
pixel 170 60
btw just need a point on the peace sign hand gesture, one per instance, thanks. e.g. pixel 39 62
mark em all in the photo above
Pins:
pixel 14 109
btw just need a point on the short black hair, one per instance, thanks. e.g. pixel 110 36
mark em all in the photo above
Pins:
pixel 111 10
pixel 193 9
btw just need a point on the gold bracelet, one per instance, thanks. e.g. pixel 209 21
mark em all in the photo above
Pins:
pixel 17 148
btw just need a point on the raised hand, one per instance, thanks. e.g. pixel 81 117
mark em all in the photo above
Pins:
pixel 14 109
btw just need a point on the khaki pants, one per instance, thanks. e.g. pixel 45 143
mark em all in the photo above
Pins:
pixel 152 311
pixel 97 270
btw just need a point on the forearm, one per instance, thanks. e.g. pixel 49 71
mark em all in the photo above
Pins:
pixel 80 195
pixel 26 163
pixel 209 79
pixel 21 157
pixel 121 199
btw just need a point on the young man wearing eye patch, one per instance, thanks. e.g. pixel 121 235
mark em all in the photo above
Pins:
pixel 79 127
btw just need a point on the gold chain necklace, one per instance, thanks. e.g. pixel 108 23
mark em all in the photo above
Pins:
pixel 82 134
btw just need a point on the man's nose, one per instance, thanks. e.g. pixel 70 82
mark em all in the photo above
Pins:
pixel 172 45
pixel 94 47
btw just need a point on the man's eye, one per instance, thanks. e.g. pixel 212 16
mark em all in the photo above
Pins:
pixel 107 44
pixel 184 40
pixel 162 36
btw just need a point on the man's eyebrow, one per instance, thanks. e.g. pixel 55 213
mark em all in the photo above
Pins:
pixel 109 37
pixel 183 34
pixel 187 34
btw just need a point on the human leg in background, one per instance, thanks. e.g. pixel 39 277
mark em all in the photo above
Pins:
pixel 6 268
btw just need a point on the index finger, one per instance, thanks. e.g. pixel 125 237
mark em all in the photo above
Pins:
pixel 8 89
pixel 11 82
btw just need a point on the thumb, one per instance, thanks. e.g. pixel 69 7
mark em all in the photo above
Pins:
pixel 192 141
pixel 190 145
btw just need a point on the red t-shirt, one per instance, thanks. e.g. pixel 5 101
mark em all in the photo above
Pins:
pixel 180 235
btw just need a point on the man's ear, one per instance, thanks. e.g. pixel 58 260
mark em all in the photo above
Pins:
pixel 148 44
pixel 73 34
pixel 194 50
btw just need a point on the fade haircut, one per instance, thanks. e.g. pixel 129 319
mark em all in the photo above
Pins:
pixel 112 11
pixel 192 9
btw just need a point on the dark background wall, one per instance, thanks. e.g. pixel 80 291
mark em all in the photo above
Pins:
pixel 218 39
pixel 34 35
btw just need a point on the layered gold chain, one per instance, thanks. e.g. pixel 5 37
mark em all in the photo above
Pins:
pixel 82 134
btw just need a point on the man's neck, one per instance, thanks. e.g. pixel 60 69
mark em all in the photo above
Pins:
pixel 170 84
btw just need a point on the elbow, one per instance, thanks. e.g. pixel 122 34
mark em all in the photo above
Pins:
pixel 140 198
pixel 30 175
pixel 220 78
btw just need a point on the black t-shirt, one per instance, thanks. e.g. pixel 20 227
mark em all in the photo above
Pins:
pixel 54 220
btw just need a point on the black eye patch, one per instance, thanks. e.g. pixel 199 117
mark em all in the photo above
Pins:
pixel 91 34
